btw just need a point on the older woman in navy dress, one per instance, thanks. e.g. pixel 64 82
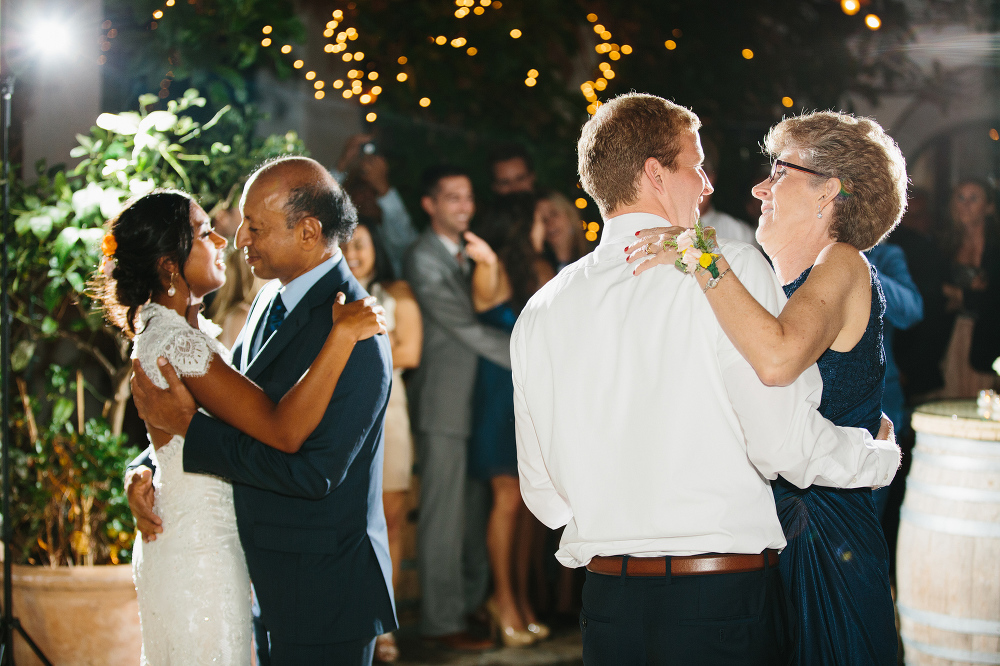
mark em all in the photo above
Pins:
pixel 837 186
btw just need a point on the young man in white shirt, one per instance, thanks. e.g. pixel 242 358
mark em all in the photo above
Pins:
pixel 642 429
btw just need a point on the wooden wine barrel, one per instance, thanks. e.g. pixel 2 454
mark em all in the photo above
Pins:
pixel 948 551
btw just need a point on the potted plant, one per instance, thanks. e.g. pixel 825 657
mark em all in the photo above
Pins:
pixel 71 370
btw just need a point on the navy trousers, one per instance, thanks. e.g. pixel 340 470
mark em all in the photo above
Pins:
pixel 350 653
pixel 708 620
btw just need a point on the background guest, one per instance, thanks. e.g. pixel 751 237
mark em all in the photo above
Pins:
pixel 438 270
pixel 726 226
pixel 364 173
pixel 368 262
pixel 511 170
pixel 564 234
pixel 509 269
pixel 918 350
pixel 972 242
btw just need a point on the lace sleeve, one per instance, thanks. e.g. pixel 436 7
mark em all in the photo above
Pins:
pixel 190 352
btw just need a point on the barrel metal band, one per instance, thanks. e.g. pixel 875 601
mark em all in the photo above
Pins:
pixel 954 654
pixel 961 625
pixel 957 463
pixel 946 525
pixel 956 493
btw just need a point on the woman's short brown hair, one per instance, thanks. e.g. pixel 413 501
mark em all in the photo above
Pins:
pixel 867 161
pixel 616 142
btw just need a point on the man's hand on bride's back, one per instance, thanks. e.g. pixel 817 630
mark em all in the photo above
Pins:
pixel 358 320
pixel 170 409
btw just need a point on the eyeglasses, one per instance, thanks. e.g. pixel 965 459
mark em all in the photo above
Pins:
pixel 789 165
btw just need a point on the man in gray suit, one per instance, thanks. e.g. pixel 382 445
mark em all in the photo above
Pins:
pixel 441 398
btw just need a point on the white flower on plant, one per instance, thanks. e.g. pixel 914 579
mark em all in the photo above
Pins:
pixel 111 202
pixel 87 198
pixel 161 121
pixel 139 187
pixel 114 166
pixel 123 123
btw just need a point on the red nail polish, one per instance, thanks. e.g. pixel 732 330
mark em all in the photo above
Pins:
pixel 626 250
pixel 637 233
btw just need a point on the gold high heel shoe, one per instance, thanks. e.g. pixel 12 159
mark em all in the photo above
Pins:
pixel 539 631
pixel 509 636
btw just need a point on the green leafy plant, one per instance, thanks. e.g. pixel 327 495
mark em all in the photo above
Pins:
pixel 71 369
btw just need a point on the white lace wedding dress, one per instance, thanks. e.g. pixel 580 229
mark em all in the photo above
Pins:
pixel 192 582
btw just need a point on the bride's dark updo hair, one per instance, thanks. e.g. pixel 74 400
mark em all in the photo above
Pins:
pixel 150 227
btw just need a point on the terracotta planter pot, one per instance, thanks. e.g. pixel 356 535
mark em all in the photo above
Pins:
pixel 79 616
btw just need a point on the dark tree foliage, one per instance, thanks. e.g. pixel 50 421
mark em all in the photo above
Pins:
pixel 807 50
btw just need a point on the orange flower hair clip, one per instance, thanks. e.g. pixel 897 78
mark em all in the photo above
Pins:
pixel 109 245
pixel 108 248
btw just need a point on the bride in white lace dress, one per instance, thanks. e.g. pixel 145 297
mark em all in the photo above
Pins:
pixel 161 258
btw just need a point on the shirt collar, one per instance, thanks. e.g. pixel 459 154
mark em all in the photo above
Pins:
pixel 621 229
pixel 295 291
pixel 450 245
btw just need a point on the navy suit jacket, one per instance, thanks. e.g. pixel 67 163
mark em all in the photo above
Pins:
pixel 311 523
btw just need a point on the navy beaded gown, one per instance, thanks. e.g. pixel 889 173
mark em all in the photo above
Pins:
pixel 492 447
pixel 836 564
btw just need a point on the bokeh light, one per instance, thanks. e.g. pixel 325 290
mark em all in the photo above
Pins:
pixel 850 7
pixel 371 117
pixel 581 203
pixel 425 102
pixel 748 54
pixel 787 102
pixel 873 22
pixel 670 44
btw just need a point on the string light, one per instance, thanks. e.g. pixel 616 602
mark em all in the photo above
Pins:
pixel 515 33
pixel 310 76
pixel 994 134
pixel 265 42
pixel 787 102
pixel 425 102
pixel 267 29
pixel 319 94
pixel 401 60
pixel 401 77
pixel 298 64
pixel 670 44
pixel 748 54
pixel 850 7
pixel 581 203
pixel 873 22
pixel 472 51
pixel 287 48
pixel 371 117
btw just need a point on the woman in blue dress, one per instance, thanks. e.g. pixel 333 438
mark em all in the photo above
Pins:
pixel 509 269
pixel 837 186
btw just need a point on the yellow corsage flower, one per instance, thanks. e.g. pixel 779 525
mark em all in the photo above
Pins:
pixel 706 259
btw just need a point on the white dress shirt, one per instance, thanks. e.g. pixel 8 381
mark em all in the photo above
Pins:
pixel 292 293
pixel 643 430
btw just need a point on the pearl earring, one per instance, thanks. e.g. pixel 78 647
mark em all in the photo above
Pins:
pixel 819 213
pixel 171 291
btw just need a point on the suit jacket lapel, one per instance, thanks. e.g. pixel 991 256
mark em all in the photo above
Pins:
pixel 448 260
pixel 298 317
pixel 249 333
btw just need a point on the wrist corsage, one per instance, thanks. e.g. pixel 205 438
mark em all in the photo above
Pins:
pixel 697 248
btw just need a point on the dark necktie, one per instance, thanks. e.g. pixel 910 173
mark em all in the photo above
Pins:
pixel 275 315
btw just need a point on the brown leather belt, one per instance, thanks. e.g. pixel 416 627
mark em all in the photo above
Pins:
pixel 690 565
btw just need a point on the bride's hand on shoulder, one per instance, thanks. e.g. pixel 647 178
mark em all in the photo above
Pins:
pixel 358 320
pixel 649 248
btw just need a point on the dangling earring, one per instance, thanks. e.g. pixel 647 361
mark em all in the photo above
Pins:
pixel 819 212
pixel 171 291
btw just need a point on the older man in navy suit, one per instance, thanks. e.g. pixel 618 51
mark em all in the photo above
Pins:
pixel 311 523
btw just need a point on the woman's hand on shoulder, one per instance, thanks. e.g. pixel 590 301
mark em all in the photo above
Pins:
pixel 358 320
pixel 649 248
pixel 479 250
